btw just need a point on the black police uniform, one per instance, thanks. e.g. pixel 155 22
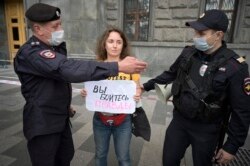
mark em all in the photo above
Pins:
pixel 46 85
pixel 192 123
pixel 45 74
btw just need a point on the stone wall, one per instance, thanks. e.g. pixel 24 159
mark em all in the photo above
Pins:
pixel 113 10
pixel 242 33
pixel 170 17
pixel 81 22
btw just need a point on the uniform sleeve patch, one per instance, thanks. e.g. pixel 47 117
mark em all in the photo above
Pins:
pixel 47 54
pixel 247 85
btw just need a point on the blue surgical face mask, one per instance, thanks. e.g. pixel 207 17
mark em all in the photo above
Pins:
pixel 57 37
pixel 201 44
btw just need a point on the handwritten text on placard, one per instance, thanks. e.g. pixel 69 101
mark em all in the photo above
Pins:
pixel 113 96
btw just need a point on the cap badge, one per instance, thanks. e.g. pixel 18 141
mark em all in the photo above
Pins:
pixel 47 54
pixel 57 13
pixel 247 85
pixel 202 70
pixel 202 15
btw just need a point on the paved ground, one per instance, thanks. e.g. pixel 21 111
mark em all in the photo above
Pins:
pixel 13 150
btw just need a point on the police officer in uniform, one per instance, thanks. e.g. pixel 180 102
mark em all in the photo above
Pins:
pixel 45 74
pixel 208 81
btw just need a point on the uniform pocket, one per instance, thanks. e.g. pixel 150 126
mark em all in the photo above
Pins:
pixel 189 104
pixel 219 82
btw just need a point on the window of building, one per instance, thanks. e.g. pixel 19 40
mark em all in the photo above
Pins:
pixel 230 8
pixel 136 19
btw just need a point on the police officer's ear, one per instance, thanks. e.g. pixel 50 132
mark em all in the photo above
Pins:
pixel 220 34
pixel 38 29
pixel 35 27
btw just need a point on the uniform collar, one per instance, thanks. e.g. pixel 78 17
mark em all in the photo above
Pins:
pixel 34 39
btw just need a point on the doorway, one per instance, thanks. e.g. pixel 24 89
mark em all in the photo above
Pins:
pixel 14 16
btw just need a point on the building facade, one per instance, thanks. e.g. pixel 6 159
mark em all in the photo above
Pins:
pixel 156 28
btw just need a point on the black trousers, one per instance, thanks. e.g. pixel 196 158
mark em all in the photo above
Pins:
pixel 184 132
pixel 55 149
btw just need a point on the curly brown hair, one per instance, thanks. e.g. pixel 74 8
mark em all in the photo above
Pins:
pixel 101 53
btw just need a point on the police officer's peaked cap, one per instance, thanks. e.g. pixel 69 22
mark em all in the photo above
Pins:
pixel 41 12
pixel 211 19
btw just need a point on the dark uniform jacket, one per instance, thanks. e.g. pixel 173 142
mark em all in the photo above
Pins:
pixel 232 78
pixel 45 74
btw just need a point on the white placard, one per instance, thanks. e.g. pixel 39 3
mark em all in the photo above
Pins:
pixel 112 96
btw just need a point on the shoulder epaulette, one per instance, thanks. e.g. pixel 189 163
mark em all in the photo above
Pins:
pixel 239 59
